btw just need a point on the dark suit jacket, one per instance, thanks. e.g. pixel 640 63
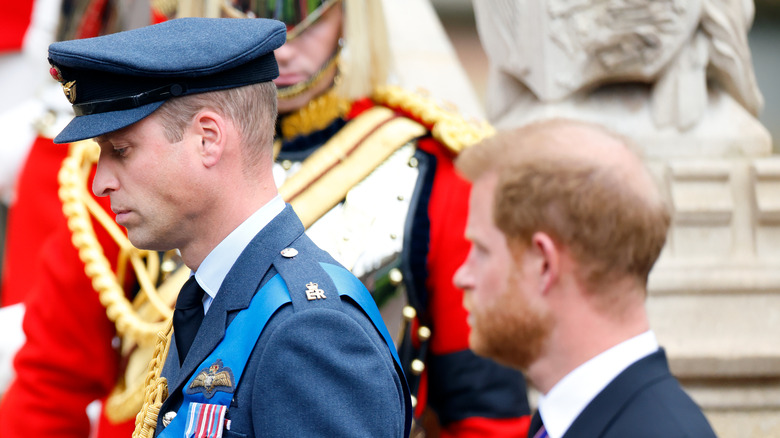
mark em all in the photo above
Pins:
pixel 644 401
pixel 319 368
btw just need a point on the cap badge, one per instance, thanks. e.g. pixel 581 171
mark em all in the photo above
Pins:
pixel 313 292
pixel 70 90
pixel 68 87
pixel 216 377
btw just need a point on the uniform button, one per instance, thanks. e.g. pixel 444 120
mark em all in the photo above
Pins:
pixel 424 333
pixel 289 252
pixel 417 367
pixel 396 276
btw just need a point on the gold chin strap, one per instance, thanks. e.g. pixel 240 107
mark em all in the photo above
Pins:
pixel 296 90
pixel 139 323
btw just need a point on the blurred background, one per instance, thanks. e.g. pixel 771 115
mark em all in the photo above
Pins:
pixel 457 17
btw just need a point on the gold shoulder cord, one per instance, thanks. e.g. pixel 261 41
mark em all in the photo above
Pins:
pixel 78 205
pixel 155 387
pixel 144 324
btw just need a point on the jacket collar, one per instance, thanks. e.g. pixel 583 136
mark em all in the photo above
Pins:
pixel 236 292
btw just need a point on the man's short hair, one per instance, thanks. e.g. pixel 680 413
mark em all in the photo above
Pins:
pixel 252 108
pixel 613 221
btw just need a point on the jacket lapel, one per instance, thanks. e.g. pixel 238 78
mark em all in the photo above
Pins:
pixel 599 413
pixel 237 290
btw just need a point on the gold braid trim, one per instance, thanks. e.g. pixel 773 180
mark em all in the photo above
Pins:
pixel 326 177
pixel 78 204
pixel 156 387
pixel 296 90
pixel 127 397
pixel 448 127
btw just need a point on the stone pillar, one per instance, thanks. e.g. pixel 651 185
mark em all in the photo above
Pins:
pixel 677 78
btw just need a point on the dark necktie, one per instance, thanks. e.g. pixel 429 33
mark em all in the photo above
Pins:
pixel 187 316
pixel 537 430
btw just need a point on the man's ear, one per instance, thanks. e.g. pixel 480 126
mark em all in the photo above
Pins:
pixel 210 129
pixel 547 260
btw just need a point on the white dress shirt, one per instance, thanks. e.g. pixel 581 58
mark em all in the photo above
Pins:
pixel 215 267
pixel 569 397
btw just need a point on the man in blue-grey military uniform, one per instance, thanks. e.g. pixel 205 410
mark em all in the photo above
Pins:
pixel 270 335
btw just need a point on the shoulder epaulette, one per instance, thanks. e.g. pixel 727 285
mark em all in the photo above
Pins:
pixel 326 176
pixel 448 127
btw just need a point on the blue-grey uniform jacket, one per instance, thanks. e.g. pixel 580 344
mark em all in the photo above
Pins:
pixel 320 368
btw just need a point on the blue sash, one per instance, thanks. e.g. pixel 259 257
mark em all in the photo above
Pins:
pixel 232 353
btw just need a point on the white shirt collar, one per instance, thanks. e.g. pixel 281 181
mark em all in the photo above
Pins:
pixel 215 267
pixel 569 397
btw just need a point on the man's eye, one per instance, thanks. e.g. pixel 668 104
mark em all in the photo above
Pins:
pixel 120 152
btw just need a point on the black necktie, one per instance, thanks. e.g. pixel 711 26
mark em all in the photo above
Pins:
pixel 537 430
pixel 187 316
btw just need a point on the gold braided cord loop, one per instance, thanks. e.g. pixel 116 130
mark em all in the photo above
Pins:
pixel 127 397
pixel 137 323
pixel 448 127
pixel 156 387
pixel 78 204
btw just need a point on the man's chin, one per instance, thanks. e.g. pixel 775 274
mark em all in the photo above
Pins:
pixel 478 346
pixel 142 241
pixel 512 353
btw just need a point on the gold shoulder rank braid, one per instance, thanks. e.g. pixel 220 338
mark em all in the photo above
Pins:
pixel 367 141
pixel 448 127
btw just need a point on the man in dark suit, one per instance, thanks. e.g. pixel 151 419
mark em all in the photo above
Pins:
pixel 565 224
pixel 270 336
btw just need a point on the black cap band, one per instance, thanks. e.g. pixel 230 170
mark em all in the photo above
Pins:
pixel 262 69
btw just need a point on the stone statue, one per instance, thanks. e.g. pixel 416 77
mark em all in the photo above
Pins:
pixel 562 49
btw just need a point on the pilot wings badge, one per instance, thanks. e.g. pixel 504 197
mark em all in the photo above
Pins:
pixel 216 377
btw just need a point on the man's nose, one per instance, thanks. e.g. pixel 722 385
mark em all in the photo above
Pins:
pixel 104 182
pixel 461 279
pixel 284 54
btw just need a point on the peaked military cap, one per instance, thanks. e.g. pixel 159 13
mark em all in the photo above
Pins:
pixel 116 80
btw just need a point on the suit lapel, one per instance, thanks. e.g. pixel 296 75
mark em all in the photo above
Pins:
pixel 237 290
pixel 601 411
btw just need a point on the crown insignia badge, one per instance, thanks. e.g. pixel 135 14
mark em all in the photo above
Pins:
pixel 313 292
